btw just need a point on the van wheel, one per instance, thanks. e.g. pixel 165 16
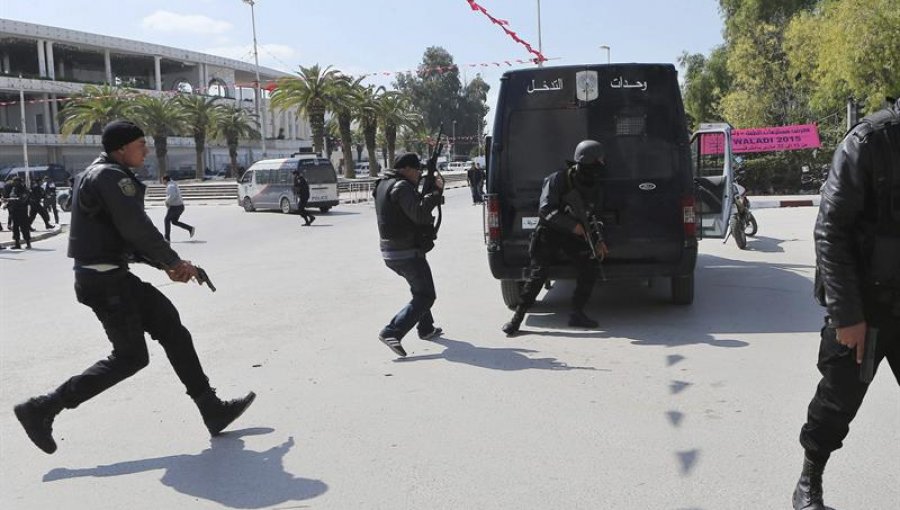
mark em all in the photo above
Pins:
pixel 325 209
pixel 511 290
pixel 285 205
pixel 683 289
pixel 248 205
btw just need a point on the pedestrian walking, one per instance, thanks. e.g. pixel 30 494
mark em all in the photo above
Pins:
pixel 567 202
pixel 301 189
pixel 174 208
pixel 857 238
pixel 402 213
pixel 108 229
pixel 474 177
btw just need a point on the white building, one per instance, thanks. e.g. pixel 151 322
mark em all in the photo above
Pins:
pixel 51 64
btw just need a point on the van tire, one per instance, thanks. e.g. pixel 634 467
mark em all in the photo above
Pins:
pixel 248 204
pixel 511 290
pixel 285 205
pixel 325 209
pixel 683 289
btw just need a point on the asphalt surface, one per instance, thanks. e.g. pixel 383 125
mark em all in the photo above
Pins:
pixel 665 407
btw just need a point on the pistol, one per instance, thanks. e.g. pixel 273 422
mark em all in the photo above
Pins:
pixel 867 368
pixel 202 278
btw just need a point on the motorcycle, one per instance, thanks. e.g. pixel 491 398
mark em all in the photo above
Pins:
pixel 743 223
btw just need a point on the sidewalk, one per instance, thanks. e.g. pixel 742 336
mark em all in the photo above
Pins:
pixel 768 202
pixel 6 237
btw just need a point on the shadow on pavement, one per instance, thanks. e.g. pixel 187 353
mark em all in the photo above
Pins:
pixel 732 298
pixel 225 473
pixel 765 244
pixel 457 351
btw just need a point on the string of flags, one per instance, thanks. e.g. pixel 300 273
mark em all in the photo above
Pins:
pixel 503 24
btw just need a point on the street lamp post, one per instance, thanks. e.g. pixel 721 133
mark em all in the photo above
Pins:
pixel 605 47
pixel 540 45
pixel 453 146
pixel 260 112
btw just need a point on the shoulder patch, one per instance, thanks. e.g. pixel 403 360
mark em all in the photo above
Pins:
pixel 127 187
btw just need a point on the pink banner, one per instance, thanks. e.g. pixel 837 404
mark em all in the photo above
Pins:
pixel 770 139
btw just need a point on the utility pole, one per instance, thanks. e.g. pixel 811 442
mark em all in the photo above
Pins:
pixel 540 43
pixel 24 132
pixel 260 112
pixel 852 113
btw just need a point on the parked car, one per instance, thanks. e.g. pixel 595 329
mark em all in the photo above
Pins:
pixel 459 166
pixel 58 173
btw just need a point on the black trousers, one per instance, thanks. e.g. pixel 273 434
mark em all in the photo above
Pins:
pixel 127 307
pixel 50 205
pixel 19 224
pixel 840 392
pixel 307 216
pixel 546 243
pixel 38 208
pixel 172 214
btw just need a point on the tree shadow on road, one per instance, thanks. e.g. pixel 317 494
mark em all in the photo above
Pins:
pixel 732 298
pixel 225 473
pixel 504 358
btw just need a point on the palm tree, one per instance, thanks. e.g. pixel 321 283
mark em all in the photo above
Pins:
pixel 366 106
pixel 95 107
pixel 202 112
pixel 310 93
pixel 342 101
pixel 234 124
pixel 160 117
pixel 395 112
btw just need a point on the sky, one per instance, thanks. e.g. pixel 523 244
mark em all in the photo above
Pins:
pixel 365 36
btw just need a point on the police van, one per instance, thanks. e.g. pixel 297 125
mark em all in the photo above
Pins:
pixel 269 184
pixel 648 196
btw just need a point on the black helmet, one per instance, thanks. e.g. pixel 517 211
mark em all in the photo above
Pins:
pixel 589 152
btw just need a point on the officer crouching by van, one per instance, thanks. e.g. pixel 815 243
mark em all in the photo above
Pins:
pixel 857 237
pixel 405 227
pixel 567 201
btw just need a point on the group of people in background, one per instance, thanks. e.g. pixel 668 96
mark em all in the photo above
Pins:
pixel 475 176
pixel 24 204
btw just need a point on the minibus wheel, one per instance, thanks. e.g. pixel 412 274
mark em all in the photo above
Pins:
pixel 248 205
pixel 325 209
pixel 285 205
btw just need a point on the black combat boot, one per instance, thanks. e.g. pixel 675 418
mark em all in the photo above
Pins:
pixel 512 327
pixel 36 416
pixel 808 493
pixel 579 320
pixel 218 414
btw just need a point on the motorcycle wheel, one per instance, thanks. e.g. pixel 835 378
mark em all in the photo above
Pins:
pixel 750 227
pixel 737 231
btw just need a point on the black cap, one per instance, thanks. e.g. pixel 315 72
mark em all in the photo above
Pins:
pixel 410 159
pixel 118 134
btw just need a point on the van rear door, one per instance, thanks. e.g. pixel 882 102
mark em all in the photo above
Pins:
pixel 712 160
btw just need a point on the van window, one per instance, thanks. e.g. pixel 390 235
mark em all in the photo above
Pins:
pixel 284 176
pixel 264 176
pixel 318 171
pixel 552 131
pixel 247 177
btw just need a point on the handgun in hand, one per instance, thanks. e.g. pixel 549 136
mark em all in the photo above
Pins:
pixel 202 278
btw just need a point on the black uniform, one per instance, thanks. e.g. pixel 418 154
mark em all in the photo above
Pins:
pixel 857 236
pixel 554 234
pixel 109 229
pixel 475 176
pixel 36 205
pixel 301 189
pixel 17 198
pixel 50 200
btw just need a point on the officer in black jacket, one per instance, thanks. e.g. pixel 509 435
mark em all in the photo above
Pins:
pixel 49 188
pixel 108 229
pixel 857 238
pixel 301 189
pixel 404 221
pixel 36 205
pixel 17 198
pixel 568 198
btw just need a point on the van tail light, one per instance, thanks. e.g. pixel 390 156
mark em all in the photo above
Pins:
pixel 689 216
pixel 492 218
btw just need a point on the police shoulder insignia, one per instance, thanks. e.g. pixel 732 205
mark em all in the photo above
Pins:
pixel 127 187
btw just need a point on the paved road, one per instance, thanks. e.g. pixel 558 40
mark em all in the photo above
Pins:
pixel 665 408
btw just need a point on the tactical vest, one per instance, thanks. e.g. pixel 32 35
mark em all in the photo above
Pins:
pixel 392 222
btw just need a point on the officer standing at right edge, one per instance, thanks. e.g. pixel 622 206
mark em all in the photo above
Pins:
pixel 560 230
pixel 108 228
pixel 857 237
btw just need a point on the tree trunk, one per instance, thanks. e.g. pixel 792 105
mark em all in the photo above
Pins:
pixel 390 138
pixel 317 124
pixel 161 144
pixel 200 145
pixel 344 121
pixel 232 156
pixel 370 132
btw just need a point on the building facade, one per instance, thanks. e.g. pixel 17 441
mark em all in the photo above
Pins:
pixel 49 65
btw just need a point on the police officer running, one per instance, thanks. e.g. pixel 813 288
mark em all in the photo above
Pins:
pixel 857 238
pixel 301 189
pixel 49 188
pixel 108 228
pixel 36 205
pixel 404 225
pixel 17 198
pixel 567 202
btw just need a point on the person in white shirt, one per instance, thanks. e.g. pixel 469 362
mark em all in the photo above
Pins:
pixel 175 206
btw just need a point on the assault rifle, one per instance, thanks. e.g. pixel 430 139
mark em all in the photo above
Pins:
pixel 429 185
pixel 593 227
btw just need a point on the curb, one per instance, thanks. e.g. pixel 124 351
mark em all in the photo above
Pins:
pixel 35 236
pixel 788 202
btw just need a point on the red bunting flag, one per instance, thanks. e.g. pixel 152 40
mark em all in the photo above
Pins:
pixel 539 57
